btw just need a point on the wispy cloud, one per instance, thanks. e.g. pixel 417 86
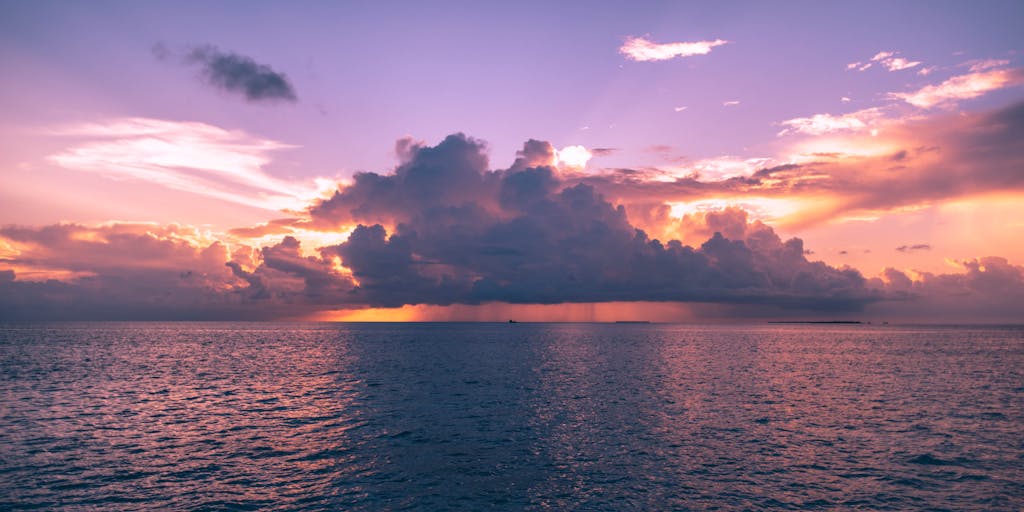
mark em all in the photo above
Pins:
pixel 820 124
pixel 730 103
pixel 644 50
pixel 720 168
pixel 187 156
pixel 889 60
pixel 911 161
pixel 961 87
pixel 985 64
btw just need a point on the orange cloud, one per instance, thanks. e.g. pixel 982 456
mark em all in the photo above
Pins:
pixel 908 162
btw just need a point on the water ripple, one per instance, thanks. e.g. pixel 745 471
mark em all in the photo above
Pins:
pixel 220 416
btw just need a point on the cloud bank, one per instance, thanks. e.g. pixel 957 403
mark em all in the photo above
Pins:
pixel 442 229
pixel 446 228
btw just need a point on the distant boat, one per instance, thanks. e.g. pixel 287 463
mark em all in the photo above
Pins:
pixel 512 322
pixel 632 321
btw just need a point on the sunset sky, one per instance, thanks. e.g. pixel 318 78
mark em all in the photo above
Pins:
pixel 481 161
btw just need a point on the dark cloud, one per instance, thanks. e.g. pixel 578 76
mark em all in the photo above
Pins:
pixel 143 271
pixel 444 229
pixel 915 247
pixel 238 74
pixel 990 289
pixel 322 283
pixel 450 174
pixel 603 151
pixel 257 289
pixel 117 271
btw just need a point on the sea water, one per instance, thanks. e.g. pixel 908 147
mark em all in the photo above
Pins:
pixel 145 416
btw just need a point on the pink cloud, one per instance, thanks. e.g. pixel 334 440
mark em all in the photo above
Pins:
pixel 199 158
pixel 644 50
pixel 990 289
pixel 962 87
pixel 851 172
pixel 820 124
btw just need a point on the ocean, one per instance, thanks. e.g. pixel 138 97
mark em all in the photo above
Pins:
pixel 450 416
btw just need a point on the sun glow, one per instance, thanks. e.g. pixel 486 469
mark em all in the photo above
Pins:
pixel 573 157
pixel 757 208
pixel 310 240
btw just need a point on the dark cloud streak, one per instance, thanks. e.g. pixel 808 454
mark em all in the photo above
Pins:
pixel 236 74
pixel 915 247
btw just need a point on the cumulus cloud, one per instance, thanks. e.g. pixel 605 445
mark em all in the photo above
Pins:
pixel 962 87
pixel 528 235
pixel 644 50
pixel 239 74
pixel 990 289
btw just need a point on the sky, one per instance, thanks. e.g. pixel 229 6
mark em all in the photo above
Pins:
pixel 663 161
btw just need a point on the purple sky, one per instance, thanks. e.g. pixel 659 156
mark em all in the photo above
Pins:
pixel 367 73
pixel 221 116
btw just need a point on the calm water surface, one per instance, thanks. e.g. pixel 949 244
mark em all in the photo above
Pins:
pixel 220 416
